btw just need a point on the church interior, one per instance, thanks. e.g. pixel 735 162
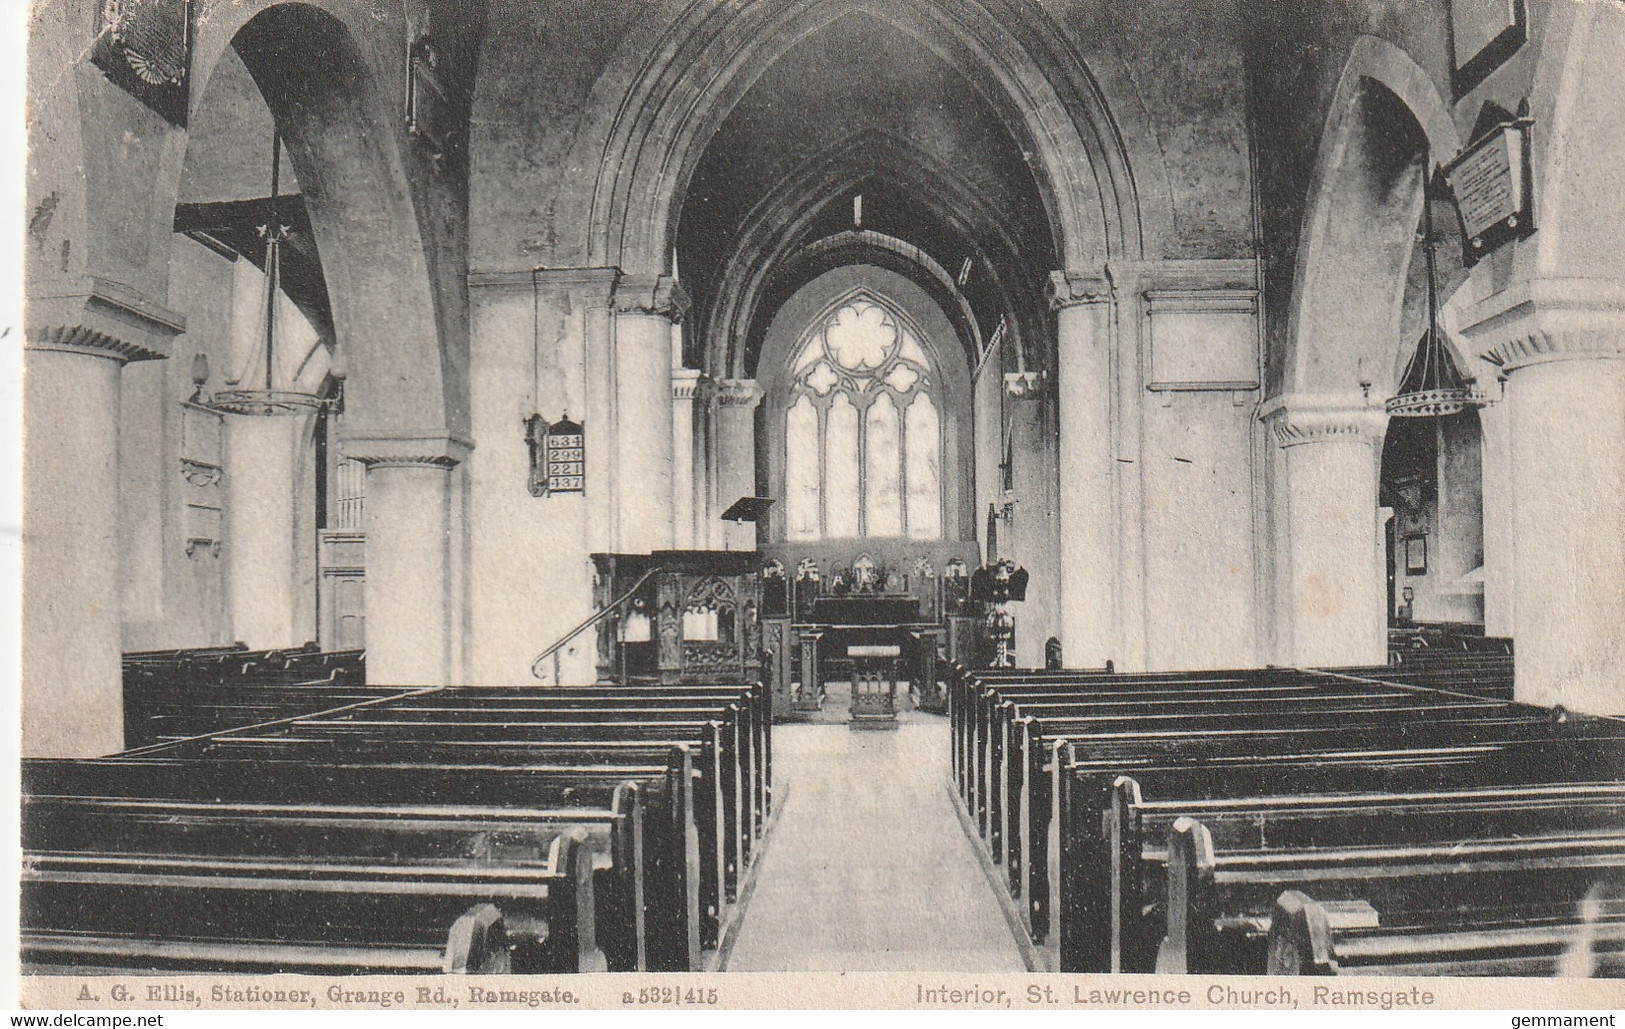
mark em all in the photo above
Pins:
pixel 566 485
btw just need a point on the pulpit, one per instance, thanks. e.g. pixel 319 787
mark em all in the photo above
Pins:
pixel 679 616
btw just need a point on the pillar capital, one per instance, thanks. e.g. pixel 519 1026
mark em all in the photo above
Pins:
pixel 592 284
pixel 405 450
pixel 99 317
pixel 691 384
pixel 1548 320
pixel 81 339
pixel 737 393
pixel 660 295
pixel 1297 419
pixel 1025 385
pixel 1070 288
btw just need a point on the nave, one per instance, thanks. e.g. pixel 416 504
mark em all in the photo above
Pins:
pixel 1250 821
pixel 868 867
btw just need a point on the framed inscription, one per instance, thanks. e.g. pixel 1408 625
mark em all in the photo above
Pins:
pixel 1483 34
pixel 558 456
pixel 566 458
pixel 1490 183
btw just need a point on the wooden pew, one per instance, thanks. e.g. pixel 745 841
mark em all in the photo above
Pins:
pixel 1018 737
pixel 516 897
pixel 1077 881
pixel 489 720
pixel 1438 865
pixel 469 731
pixel 192 693
pixel 1309 937
pixel 1009 727
pixel 640 838
pixel 723 777
pixel 1424 732
pixel 1139 824
pixel 1484 675
pixel 1170 703
pixel 1177 707
pixel 715 847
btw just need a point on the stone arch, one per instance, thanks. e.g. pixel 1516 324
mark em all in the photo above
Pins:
pixel 1363 206
pixel 1577 105
pixel 677 76
pixel 347 145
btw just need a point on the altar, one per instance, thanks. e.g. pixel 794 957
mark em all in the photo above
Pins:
pixel 823 619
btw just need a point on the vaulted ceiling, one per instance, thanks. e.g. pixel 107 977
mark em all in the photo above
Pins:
pixel 859 107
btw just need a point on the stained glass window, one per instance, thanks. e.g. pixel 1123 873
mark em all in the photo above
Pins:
pixel 863 435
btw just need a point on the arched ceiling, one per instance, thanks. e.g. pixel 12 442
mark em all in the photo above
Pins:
pixel 225 184
pixel 860 107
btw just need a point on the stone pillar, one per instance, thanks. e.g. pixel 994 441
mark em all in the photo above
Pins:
pixel 689 395
pixel 1500 550
pixel 1029 537
pixel 261 550
pixel 411 579
pixel 72 696
pixel 1565 401
pixel 645 312
pixel 736 401
pixel 1089 629
pixel 1330 604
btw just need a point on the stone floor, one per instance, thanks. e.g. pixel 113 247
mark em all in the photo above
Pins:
pixel 868 867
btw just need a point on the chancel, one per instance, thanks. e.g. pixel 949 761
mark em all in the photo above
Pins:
pixel 483 455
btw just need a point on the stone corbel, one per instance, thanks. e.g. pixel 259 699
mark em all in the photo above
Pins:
pixel 1297 420
pixel 197 543
pixel 201 473
pixel 662 296
pixel 1025 385
pixel 1070 288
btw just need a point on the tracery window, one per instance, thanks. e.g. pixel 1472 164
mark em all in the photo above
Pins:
pixel 863 432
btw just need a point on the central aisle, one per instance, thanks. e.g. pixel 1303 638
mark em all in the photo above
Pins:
pixel 868 866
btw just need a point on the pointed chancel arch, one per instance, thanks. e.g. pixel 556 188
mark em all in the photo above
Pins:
pixel 652 119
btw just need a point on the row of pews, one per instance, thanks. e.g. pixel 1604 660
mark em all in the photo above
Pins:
pixel 1295 821
pixel 458 829
pixel 175 694
pixel 1485 674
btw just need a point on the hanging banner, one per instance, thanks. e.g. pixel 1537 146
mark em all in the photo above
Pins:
pixel 145 46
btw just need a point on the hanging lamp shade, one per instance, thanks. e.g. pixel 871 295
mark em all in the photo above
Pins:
pixel 264 393
pixel 1432 386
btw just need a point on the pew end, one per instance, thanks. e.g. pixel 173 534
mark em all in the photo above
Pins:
pixel 1190 885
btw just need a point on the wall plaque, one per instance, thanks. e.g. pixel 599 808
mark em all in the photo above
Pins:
pixel 145 46
pixel 558 456
pixel 1490 183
